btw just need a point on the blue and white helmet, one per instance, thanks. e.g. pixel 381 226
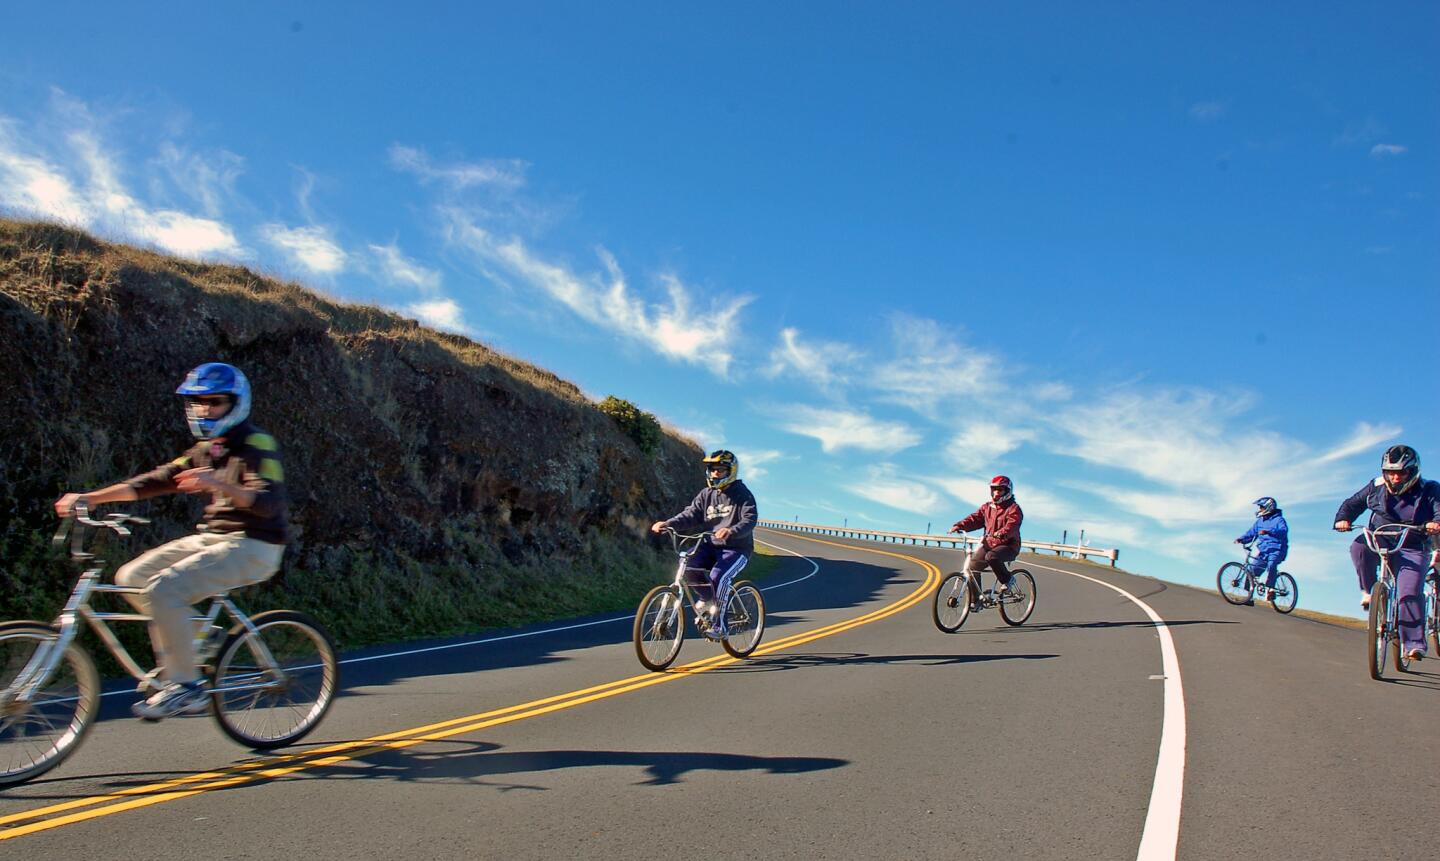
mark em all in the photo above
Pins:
pixel 216 378
pixel 1265 506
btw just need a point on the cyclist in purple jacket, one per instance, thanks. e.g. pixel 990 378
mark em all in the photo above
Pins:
pixel 1399 495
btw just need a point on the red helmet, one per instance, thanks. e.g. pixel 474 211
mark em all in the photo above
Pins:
pixel 1006 486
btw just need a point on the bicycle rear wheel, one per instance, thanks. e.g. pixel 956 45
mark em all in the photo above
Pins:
pixel 744 619
pixel 1287 594
pixel 271 690
pixel 659 628
pixel 1020 603
pixel 1377 636
pixel 38 734
pixel 1234 584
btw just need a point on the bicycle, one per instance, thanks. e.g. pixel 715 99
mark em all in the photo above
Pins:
pixel 1383 626
pixel 1432 606
pixel 959 595
pixel 1237 584
pixel 272 677
pixel 660 620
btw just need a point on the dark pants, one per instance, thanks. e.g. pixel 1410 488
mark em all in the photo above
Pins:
pixel 1409 567
pixel 1267 563
pixel 995 557
pixel 712 569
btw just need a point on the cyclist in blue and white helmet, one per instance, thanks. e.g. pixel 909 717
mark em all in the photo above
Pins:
pixel 1272 535
pixel 241 541
pixel 210 380
pixel 1398 495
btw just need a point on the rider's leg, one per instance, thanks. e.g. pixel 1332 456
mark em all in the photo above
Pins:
pixel 227 561
pixel 998 556
pixel 1269 564
pixel 1366 562
pixel 697 574
pixel 975 562
pixel 1410 585
pixel 138 571
pixel 730 563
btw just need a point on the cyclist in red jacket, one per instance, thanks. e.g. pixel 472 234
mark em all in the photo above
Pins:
pixel 1001 518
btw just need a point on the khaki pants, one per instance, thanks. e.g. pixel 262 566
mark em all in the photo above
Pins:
pixel 177 575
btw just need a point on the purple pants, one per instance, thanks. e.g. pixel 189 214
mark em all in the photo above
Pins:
pixel 1409 567
pixel 716 568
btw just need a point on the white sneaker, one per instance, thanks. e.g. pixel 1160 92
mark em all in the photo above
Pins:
pixel 176 698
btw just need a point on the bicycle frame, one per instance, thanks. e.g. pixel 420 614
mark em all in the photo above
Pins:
pixel 1400 532
pixel 687 546
pixel 77 610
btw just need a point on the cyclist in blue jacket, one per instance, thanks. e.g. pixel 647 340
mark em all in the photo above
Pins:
pixel 1399 495
pixel 1272 535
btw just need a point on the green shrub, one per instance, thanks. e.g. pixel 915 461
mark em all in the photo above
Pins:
pixel 637 424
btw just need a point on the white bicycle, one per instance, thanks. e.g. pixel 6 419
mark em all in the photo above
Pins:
pixel 660 621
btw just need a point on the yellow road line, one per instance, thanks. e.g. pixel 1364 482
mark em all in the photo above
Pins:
pixel 57 815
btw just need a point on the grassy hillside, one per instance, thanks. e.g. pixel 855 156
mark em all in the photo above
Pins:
pixel 436 485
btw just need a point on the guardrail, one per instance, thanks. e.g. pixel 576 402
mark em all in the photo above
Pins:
pixel 956 541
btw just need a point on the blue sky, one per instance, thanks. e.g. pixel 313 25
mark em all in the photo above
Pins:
pixel 1152 263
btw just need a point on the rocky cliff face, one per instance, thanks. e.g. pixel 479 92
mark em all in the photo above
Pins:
pixel 410 455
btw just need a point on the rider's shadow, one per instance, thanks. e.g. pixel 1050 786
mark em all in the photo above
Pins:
pixel 478 763
pixel 774 663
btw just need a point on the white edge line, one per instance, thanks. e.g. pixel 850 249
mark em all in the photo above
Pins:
pixel 814 570
pixel 1161 836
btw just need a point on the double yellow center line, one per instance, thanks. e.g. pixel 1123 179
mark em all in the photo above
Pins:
pixel 270 768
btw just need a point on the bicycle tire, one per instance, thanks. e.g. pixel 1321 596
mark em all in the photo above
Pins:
pixel 744 620
pixel 1235 584
pixel 1018 606
pixel 57 717
pixel 265 705
pixel 1377 637
pixel 1287 593
pixel 1432 636
pixel 659 622
pixel 952 602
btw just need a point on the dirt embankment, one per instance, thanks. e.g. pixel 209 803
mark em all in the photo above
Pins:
pixel 436 485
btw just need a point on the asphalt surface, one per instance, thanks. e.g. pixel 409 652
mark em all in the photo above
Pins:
pixel 884 739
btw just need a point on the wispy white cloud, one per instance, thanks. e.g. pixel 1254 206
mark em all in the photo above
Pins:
pixel 931 366
pixel 882 484
pixel 1362 132
pixel 1199 467
pixel 820 362
pixel 207 179
pixel 676 329
pixel 1208 111
pixel 310 248
pixel 87 191
pixel 839 429
pixel 457 176
pixel 980 443
pixel 443 314
pixel 402 271
pixel 1387 150
pixel 752 462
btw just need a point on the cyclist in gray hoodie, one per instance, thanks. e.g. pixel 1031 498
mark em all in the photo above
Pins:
pixel 725 508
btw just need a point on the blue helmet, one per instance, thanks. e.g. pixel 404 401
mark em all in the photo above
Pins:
pixel 216 378
pixel 1265 506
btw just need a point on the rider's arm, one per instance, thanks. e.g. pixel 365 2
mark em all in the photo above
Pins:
pixel 691 517
pixel 745 517
pixel 121 492
pixel 1352 507
pixel 974 521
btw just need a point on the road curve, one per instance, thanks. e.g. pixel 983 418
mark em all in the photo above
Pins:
pixel 865 733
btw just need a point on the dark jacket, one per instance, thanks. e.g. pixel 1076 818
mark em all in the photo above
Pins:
pixel 245 456
pixel 1001 522
pixel 1418 505
pixel 731 506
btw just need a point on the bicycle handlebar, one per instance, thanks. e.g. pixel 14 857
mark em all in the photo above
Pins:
pixel 80 513
pixel 679 539
pixel 1398 531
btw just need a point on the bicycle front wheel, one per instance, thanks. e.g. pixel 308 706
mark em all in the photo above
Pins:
pixel 271 688
pixel 1234 583
pixel 39 731
pixel 1287 594
pixel 659 628
pixel 744 619
pixel 952 603
pixel 1377 634
pixel 1432 624
pixel 1016 607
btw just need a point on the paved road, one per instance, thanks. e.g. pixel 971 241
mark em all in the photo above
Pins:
pixel 866 733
